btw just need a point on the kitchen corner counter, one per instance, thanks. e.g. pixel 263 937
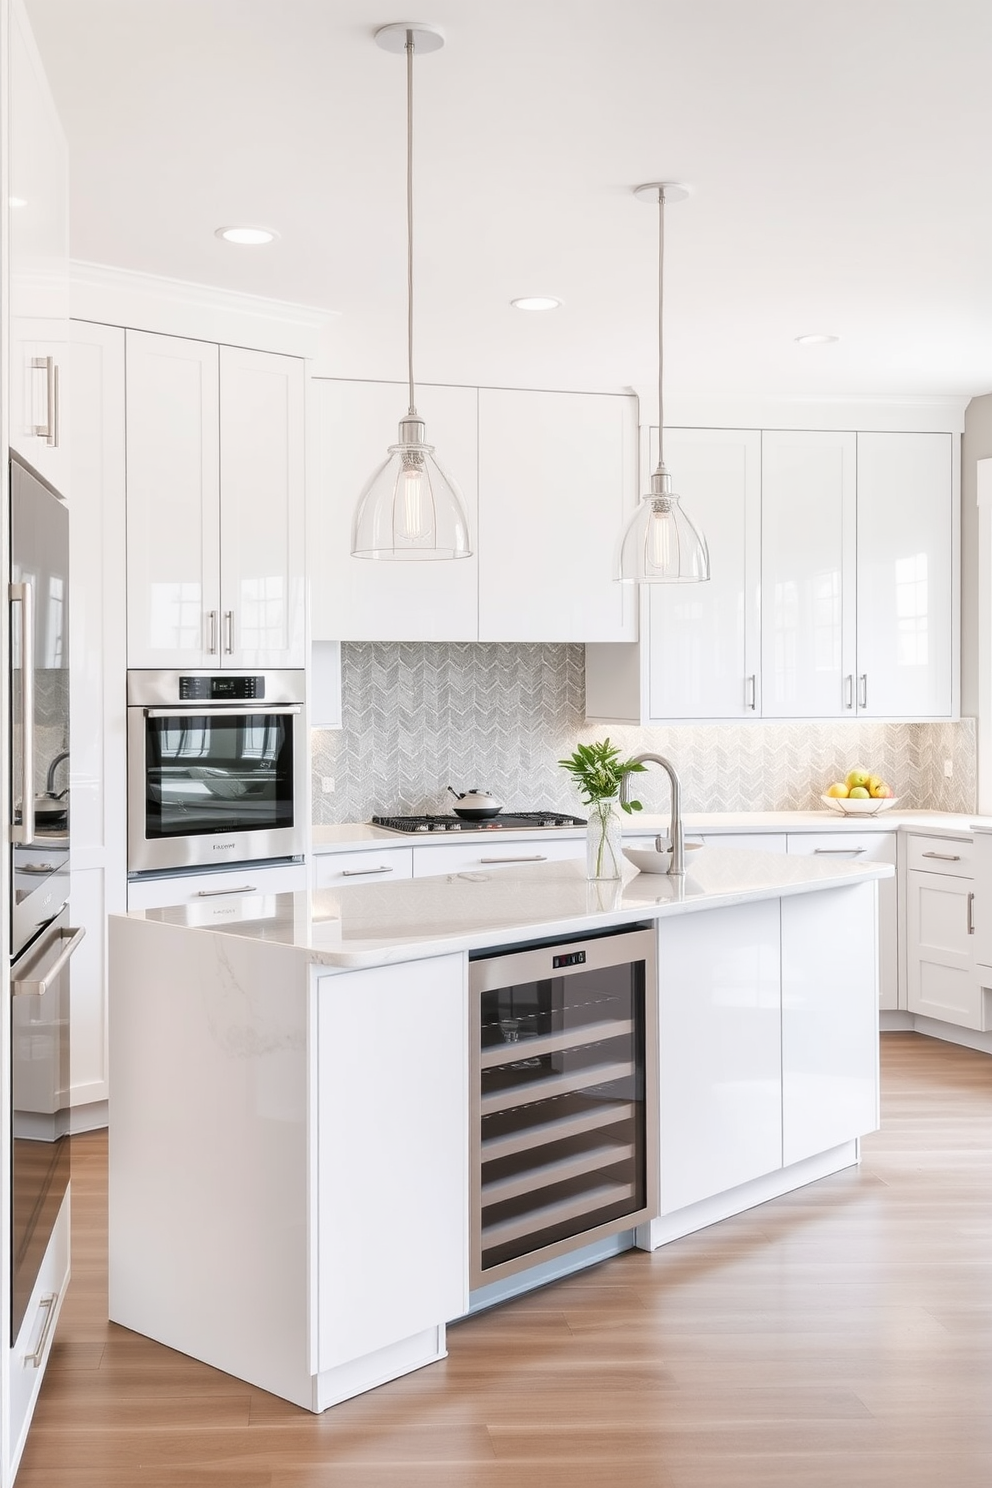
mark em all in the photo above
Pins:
pixel 381 924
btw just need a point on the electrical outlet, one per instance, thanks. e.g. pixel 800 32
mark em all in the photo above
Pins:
pixel 327 784
pixel 949 769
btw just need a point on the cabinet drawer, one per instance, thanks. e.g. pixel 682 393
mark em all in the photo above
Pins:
pixel 954 855
pixel 29 1355
pixel 214 889
pixel 457 857
pixel 859 847
pixel 375 864
pixel 749 841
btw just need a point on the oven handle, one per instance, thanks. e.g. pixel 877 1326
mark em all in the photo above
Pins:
pixel 25 986
pixel 223 710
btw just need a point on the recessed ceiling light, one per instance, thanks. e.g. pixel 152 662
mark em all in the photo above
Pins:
pixel 246 234
pixel 16 201
pixel 536 302
pixel 815 338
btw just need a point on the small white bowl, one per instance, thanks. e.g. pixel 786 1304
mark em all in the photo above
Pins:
pixel 646 860
pixel 859 806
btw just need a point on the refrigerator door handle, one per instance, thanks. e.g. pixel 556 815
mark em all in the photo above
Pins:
pixel 37 986
pixel 22 832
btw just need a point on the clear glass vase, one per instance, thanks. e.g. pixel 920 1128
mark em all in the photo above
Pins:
pixel 603 840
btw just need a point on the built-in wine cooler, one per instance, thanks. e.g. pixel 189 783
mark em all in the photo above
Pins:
pixel 565 1096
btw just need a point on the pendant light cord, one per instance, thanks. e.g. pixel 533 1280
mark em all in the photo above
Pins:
pixel 409 215
pixel 661 338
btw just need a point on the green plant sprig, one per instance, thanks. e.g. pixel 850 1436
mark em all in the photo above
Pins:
pixel 598 771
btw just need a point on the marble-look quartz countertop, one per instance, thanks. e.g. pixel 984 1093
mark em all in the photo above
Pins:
pixel 378 924
pixel 346 835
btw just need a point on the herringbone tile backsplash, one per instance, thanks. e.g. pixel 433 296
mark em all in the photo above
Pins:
pixel 417 717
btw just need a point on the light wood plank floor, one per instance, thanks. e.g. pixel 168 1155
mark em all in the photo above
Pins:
pixel 839 1336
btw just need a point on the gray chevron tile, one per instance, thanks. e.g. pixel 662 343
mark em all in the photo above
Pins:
pixel 416 717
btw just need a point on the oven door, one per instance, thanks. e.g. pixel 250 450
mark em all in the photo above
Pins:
pixel 213 785
pixel 40 1088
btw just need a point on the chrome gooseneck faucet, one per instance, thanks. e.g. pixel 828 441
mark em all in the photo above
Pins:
pixel 677 868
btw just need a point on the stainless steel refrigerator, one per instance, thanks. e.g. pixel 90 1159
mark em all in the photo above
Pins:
pixel 42 942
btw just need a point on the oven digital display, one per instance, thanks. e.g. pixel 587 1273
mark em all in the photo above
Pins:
pixel 221 689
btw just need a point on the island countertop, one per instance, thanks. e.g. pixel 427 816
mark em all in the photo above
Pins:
pixel 379 924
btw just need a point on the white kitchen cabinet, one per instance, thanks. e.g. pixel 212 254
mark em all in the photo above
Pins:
pixel 29 1354
pixel 557 482
pixel 215 505
pixel 38 216
pixel 857 538
pixel 698 654
pixel 385 863
pixel 846 843
pixel 547 479
pixel 97 705
pixel 747 841
pixel 357 599
pixel 229 893
pixel 905 655
pixel 485 854
pixel 720 1031
pixel 808 515
pixel 829 1023
pixel 942 979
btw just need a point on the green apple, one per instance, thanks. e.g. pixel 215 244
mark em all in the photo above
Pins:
pixel 857 778
pixel 859 793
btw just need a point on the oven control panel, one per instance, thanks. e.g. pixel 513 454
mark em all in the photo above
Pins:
pixel 221 689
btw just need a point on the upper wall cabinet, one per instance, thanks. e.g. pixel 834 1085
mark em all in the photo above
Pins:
pixel 361 599
pixel 215 505
pixel 38 214
pixel 832 591
pixel 546 478
pixel 557 478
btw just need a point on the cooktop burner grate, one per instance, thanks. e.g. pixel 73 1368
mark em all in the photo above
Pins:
pixel 505 821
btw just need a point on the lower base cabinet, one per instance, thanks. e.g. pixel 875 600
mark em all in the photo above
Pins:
pixel 767 1055
pixel 942 981
pixel 30 1350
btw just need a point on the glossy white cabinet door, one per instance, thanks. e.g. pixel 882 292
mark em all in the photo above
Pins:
pixel 357 599
pixel 703 642
pixel 720 1031
pixel 905 642
pixel 38 262
pixel 748 841
pixel 829 1019
pixel 807 573
pixel 942 980
pixel 557 481
pixel 262 550
pixel 849 845
pixel 392 1155
pixel 97 607
pixel 173 512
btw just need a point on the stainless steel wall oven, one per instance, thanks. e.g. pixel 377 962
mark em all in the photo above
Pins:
pixel 217 769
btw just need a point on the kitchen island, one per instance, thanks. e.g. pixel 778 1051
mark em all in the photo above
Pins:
pixel 290 1185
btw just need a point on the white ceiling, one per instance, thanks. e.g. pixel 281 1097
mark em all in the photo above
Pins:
pixel 839 154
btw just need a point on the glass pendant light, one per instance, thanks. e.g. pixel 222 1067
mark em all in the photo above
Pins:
pixel 410 509
pixel 660 544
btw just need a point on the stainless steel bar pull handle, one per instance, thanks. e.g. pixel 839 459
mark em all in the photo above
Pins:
pixel 971 914
pixel 849 690
pixel 37 986
pixel 944 857
pixel 38 1352
pixel 216 893
pixel 751 692
pixel 23 831
pixel 228 631
pixel 534 858
pixel 863 690
pixel 844 851
pixel 212 634
pixel 360 872
pixel 49 431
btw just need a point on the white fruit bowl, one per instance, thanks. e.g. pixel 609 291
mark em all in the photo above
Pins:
pixel 647 860
pixel 859 806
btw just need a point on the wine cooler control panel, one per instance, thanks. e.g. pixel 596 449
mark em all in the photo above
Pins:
pixel 565 1095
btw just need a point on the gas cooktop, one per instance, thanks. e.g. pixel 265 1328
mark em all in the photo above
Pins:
pixel 506 821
